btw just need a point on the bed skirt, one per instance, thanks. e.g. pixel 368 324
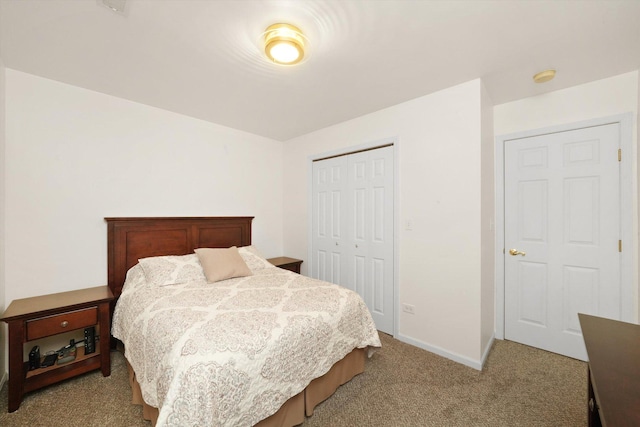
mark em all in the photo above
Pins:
pixel 294 410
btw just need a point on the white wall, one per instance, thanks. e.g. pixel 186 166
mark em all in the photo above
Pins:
pixel 3 305
pixel 487 225
pixel 76 156
pixel 602 98
pixel 439 191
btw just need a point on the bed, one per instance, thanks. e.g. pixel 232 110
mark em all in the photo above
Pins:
pixel 262 349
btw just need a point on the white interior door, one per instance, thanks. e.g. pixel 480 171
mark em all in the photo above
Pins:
pixel 562 216
pixel 352 228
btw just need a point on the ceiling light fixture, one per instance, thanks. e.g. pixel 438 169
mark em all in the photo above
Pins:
pixel 544 76
pixel 284 44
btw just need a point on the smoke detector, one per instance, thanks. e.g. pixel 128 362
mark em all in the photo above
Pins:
pixel 117 6
pixel 544 76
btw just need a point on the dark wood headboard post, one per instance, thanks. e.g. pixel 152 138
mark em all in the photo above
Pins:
pixel 129 239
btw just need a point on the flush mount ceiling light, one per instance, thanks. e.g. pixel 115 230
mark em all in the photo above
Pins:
pixel 284 44
pixel 544 76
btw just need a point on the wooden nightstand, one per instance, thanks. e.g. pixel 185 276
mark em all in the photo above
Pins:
pixel 287 263
pixel 34 318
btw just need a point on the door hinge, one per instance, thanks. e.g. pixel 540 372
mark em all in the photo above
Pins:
pixel 619 154
pixel 619 245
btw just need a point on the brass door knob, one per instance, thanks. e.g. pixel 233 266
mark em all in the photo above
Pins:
pixel 514 252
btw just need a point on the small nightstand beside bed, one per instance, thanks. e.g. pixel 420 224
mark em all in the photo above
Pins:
pixel 264 348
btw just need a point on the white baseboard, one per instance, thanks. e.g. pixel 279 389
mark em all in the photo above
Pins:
pixel 487 351
pixel 475 364
pixel 3 379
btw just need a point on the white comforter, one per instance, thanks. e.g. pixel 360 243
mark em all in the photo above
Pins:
pixel 231 353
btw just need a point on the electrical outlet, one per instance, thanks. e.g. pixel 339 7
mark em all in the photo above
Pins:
pixel 408 308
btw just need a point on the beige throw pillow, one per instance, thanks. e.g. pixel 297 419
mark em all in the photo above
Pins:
pixel 222 264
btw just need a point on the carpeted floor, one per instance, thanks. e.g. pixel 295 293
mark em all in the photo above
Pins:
pixel 402 386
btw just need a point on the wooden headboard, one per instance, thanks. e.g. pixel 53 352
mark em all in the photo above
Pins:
pixel 129 239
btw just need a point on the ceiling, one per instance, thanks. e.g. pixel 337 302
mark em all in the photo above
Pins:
pixel 202 58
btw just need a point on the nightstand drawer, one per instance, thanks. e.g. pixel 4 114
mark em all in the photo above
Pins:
pixel 52 325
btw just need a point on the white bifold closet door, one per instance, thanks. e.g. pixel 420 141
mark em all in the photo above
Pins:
pixel 352 227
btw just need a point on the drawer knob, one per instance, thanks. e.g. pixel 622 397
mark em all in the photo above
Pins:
pixel 64 324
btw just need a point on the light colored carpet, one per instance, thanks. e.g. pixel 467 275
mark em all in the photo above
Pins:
pixel 402 386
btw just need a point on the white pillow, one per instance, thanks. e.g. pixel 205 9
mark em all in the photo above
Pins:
pixel 253 258
pixel 172 269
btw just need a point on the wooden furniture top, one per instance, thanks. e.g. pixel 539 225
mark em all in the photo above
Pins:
pixel 282 260
pixel 49 304
pixel 613 348
pixel 129 239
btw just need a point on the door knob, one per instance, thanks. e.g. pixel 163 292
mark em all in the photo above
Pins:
pixel 514 252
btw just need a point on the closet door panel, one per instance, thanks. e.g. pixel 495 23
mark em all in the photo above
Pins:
pixel 329 219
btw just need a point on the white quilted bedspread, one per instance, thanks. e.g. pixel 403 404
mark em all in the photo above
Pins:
pixel 231 353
